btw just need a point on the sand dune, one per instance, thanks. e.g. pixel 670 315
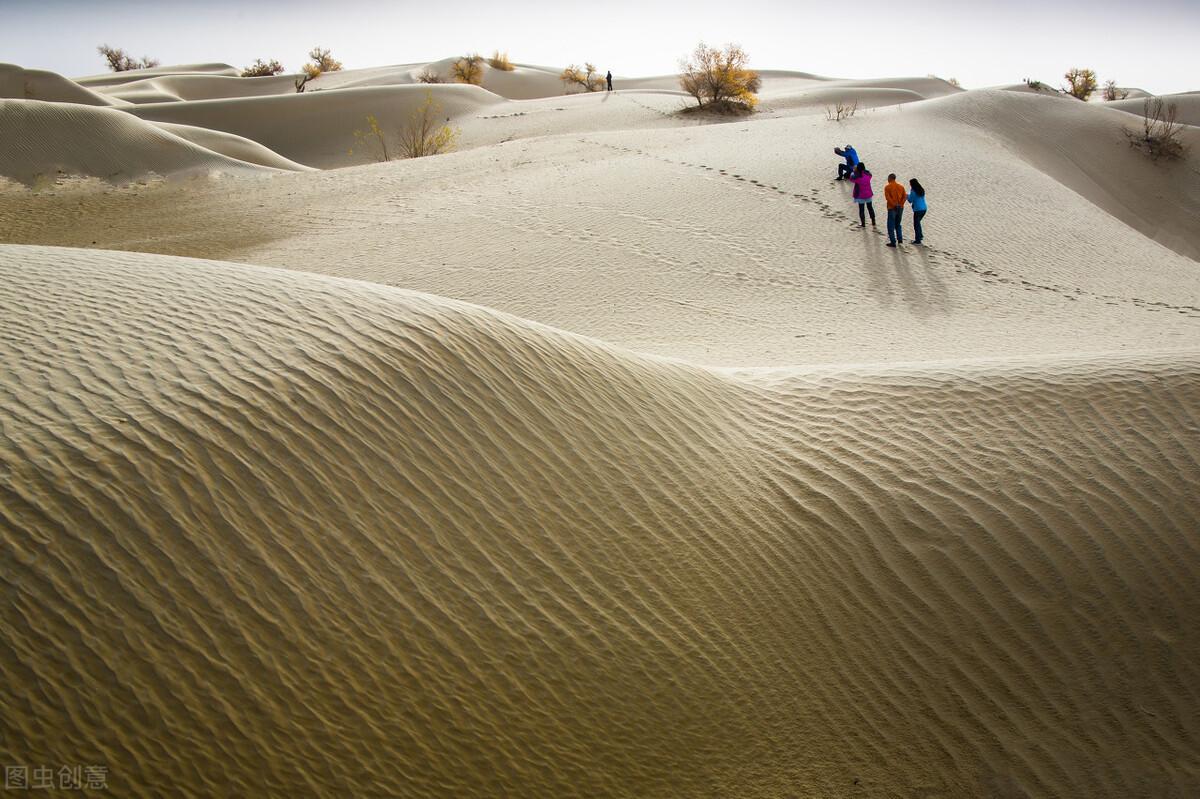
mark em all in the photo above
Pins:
pixel 785 512
pixel 233 146
pixel 36 84
pixel 343 539
pixel 316 128
pixel 173 88
pixel 44 140
pixel 1187 105
pixel 109 79
pixel 1082 146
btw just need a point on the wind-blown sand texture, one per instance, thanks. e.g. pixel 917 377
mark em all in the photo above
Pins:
pixel 700 492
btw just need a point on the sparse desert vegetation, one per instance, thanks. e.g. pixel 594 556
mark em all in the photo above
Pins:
pixel 841 110
pixel 1159 136
pixel 1114 92
pixel 501 62
pixel 120 61
pixel 429 75
pixel 468 69
pixel 424 133
pixel 323 60
pixel 1081 83
pixel 262 69
pixel 584 77
pixel 719 79
pixel 307 72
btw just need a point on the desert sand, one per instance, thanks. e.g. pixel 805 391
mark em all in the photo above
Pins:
pixel 604 456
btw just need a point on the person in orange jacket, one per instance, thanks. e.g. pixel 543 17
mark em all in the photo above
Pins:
pixel 896 196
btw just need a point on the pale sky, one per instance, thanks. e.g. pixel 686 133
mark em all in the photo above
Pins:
pixel 1150 44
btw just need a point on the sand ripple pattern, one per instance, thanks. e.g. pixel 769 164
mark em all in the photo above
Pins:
pixel 274 534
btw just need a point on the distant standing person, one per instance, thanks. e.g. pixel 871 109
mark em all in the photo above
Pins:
pixel 895 195
pixel 862 193
pixel 608 78
pixel 916 198
pixel 851 155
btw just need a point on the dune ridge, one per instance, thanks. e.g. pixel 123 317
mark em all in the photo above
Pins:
pixel 44 140
pixel 283 534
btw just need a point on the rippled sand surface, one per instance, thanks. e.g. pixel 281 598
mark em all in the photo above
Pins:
pixel 273 534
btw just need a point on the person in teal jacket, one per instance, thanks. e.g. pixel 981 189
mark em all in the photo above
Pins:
pixel 916 199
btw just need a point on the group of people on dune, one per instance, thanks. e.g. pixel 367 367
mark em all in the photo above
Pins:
pixel 855 171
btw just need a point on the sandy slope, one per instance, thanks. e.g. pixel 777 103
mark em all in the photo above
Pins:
pixel 44 139
pixel 36 84
pixel 266 532
pixel 1187 106
pixel 725 244
pixel 274 534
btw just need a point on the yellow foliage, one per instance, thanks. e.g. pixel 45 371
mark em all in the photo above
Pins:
pixel 373 135
pixel 424 135
pixel 500 61
pixel 1081 83
pixel 323 60
pixel 468 69
pixel 720 78
pixel 584 77
pixel 311 71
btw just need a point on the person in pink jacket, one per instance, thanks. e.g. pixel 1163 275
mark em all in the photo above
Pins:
pixel 862 193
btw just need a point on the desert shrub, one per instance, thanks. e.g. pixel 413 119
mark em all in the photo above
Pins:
pixel 584 77
pixel 1036 85
pixel 307 72
pixel 120 61
pixel 262 69
pixel 954 82
pixel 1114 92
pixel 373 139
pixel 500 61
pixel 1081 83
pixel 428 75
pixel 841 110
pixel 719 79
pixel 323 61
pixel 1159 136
pixel 424 134
pixel 468 69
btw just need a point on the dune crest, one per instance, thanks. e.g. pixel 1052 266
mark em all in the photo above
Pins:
pixel 282 534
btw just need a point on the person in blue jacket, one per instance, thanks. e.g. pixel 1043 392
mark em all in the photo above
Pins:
pixel 851 157
pixel 916 199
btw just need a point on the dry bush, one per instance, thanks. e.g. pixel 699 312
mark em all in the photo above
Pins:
pixel 468 69
pixel 323 61
pixel 428 75
pixel 719 79
pixel 841 110
pixel 424 134
pixel 1159 137
pixel 1114 92
pixel 120 61
pixel 500 61
pixel 954 82
pixel 308 72
pixel 1081 83
pixel 262 69
pixel 585 77
pixel 1036 85
pixel 372 138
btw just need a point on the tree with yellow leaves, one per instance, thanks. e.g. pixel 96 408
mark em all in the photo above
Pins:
pixel 719 80
pixel 585 77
